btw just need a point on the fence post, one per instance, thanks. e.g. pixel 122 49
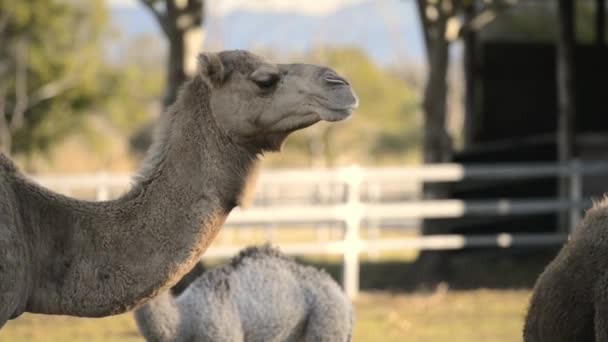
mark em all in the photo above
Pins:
pixel 576 193
pixel 102 191
pixel 352 243
pixel 373 224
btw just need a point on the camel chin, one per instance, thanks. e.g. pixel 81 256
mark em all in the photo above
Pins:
pixel 337 115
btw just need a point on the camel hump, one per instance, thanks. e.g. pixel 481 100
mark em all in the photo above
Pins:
pixel 254 252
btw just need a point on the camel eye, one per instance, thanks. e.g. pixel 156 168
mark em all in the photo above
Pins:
pixel 265 79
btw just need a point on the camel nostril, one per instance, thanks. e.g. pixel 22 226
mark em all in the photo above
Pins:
pixel 336 80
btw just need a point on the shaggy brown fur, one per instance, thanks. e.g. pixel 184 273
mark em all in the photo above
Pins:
pixel 570 299
pixel 60 255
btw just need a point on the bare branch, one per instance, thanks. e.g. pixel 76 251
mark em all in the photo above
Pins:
pixel 194 9
pixel 50 90
pixel 487 15
pixel 434 18
pixel 160 17
pixel 425 23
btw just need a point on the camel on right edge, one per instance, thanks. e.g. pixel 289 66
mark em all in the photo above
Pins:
pixel 570 299
pixel 262 295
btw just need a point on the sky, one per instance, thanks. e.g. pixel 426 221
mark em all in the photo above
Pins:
pixel 223 7
pixel 387 30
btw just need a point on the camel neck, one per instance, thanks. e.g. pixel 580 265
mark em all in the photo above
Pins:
pixel 98 259
pixel 192 157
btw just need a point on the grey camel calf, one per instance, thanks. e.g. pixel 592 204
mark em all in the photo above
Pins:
pixel 261 296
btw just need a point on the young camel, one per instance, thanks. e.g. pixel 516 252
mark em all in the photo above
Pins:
pixel 64 256
pixel 262 295
pixel 570 299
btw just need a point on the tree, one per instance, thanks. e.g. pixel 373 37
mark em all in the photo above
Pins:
pixel 181 22
pixel 565 61
pixel 434 17
pixel 49 63
pixel 442 23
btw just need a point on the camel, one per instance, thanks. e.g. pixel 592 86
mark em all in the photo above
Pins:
pixel 570 298
pixel 65 256
pixel 261 295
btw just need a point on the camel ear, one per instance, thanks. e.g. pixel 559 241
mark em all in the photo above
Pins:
pixel 211 68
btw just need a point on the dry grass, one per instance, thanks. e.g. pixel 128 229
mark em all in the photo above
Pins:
pixel 480 315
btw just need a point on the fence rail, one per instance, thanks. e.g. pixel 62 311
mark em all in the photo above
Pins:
pixel 352 210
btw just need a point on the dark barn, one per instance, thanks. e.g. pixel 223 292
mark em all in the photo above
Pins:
pixel 519 109
pixel 515 120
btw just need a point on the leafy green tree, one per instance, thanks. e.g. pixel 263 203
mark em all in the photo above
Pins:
pixel 50 70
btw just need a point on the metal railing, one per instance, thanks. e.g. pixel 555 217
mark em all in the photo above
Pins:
pixel 352 210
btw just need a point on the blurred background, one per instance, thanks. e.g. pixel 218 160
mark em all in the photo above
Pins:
pixel 479 141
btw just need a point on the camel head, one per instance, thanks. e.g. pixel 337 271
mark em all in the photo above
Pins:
pixel 260 103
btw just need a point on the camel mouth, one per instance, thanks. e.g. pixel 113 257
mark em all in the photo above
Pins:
pixel 340 101
pixel 343 112
pixel 333 115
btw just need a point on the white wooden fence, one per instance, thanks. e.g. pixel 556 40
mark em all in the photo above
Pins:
pixel 352 209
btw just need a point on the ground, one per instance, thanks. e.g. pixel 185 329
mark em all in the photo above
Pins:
pixel 444 315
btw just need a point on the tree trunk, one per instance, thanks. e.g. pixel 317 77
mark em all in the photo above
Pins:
pixel 176 75
pixel 437 143
pixel 181 22
pixel 437 146
pixel 566 99
pixel 600 23
pixel 5 133
pixel 469 60
pixel 184 46
pixel 193 44
pixel 5 137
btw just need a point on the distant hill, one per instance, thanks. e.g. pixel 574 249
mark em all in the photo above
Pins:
pixel 388 30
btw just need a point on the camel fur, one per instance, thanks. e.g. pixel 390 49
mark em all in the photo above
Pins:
pixel 262 295
pixel 59 255
pixel 570 298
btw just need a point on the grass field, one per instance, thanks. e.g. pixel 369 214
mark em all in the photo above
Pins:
pixel 467 314
pixel 454 316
